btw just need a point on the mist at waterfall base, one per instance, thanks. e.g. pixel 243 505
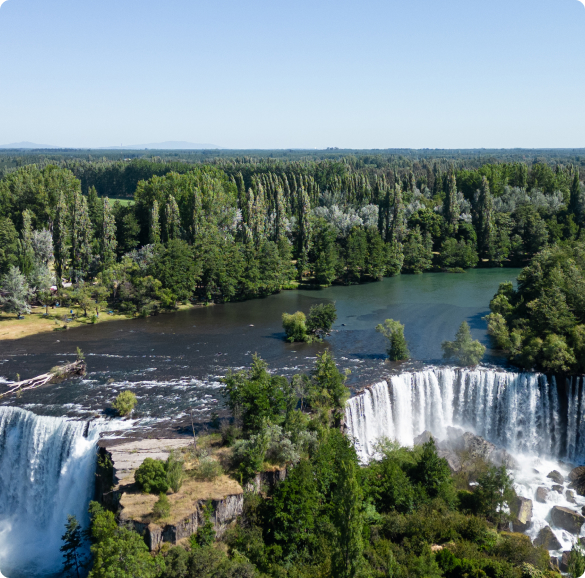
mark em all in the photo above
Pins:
pixel 47 469
pixel 541 423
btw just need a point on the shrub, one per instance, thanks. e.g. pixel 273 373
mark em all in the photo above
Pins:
pixel 162 507
pixel 208 469
pixel 175 472
pixel 295 326
pixel 151 476
pixel 125 403
pixel 205 535
pixel 229 433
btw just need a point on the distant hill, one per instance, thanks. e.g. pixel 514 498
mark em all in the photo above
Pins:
pixel 27 145
pixel 167 145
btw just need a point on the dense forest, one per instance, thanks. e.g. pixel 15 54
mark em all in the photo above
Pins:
pixel 238 228
pixel 405 515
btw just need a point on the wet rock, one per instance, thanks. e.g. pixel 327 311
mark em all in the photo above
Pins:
pixel 535 471
pixel 554 564
pixel 564 561
pixel 558 489
pixel 567 519
pixel 524 516
pixel 570 496
pixel 577 479
pixel 547 539
pixel 583 510
pixel 542 495
pixel 556 477
pixel 423 438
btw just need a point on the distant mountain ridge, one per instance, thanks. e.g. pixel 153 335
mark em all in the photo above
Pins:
pixel 27 145
pixel 167 145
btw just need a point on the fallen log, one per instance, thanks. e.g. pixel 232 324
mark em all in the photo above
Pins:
pixel 55 375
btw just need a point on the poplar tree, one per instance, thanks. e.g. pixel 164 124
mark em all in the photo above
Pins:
pixel 154 232
pixel 61 238
pixel 280 214
pixel 109 243
pixel 304 232
pixel 172 220
pixel 574 199
pixel 95 208
pixel 26 249
pixel 450 204
pixel 484 210
pixel 396 228
pixel 81 235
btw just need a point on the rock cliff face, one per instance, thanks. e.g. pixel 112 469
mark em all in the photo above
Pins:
pixel 223 512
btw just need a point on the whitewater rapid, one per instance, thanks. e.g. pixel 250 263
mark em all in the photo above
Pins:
pixel 541 423
pixel 47 471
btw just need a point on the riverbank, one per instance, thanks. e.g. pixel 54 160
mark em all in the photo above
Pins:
pixel 38 322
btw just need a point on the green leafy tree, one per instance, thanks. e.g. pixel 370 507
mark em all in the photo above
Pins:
pixel 450 204
pixel 14 292
pixel 154 233
pixel 81 237
pixel 124 555
pixel 376 260
pixel 348 521
pixel 295 326
pixel 175 268
pixel 205 535
pixel 74 558
pixel 329 384
pixel 494 495
pixel 8 245
pixel 321 318
pixel 356 255
pixel 458 254
pixel 394 332
pixel 61 238
pixel 326 255
pixel 417 252
pixel 484 225
pixel 172 220
pixel 465 350
pixel 175 468
pixel 151 476
pixel 125 403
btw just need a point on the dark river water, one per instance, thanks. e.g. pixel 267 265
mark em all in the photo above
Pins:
pixel 173 362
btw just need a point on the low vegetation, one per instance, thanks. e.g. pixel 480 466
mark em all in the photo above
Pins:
pixel 299 327
pixel 125 403
pixel 465 350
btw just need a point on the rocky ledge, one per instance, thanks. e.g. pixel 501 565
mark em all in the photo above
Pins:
pixel 116 489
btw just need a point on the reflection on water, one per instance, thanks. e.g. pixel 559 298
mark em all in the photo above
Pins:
pixel 174 361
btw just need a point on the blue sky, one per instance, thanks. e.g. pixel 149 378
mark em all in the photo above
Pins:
pixel 280 74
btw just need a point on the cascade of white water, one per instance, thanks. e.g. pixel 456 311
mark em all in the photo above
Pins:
pixel 518 411
pixel 47 469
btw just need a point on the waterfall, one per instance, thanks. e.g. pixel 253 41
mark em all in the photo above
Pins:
pixel 47 469
pixel 522 412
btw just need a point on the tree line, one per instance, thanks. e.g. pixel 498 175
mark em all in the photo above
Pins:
pixel 241 228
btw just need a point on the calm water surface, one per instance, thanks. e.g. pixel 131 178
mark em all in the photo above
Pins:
pixel 174 362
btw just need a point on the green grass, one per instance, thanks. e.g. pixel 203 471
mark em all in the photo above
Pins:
pixel 123 202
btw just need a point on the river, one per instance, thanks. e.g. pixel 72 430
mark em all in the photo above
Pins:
pixel 174 362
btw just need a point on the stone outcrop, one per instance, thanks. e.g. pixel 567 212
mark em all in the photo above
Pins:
pixel 547 539
pixel 570 496
pixel 542 494
pixel 577 479
pixel 567 519
pixel 523 519
pixel 556 477
pixel 223 512
pixel 266 481
pixel 558 489
pixel 461 445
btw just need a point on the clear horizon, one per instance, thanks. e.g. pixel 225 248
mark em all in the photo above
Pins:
pixel 374 75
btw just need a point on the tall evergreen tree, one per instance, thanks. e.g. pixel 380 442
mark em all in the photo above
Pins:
pixel 396 225
pixel 348 522
pixel 95 209
pixel 61 238
pixel 72 548
pixel 108 241
pixel 154 233
pixel 304 231
pixel 172 220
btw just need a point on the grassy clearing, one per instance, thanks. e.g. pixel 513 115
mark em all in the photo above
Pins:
pixel 138 505
pixel 38 322
pixel 123 202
